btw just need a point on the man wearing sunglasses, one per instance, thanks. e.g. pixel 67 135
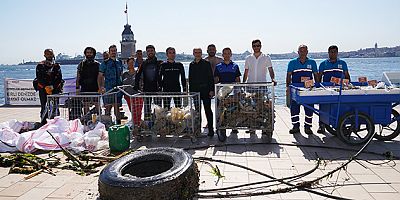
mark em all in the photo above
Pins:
pixel 255 70
pixel 256 65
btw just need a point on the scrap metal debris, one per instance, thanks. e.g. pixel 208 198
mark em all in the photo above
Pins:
pixel 245 109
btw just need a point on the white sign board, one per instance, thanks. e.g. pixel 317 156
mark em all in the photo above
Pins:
pixel 21 91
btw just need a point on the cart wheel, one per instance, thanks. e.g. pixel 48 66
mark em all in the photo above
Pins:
pixel 349 133
pixel 221 135
pixel 330 129
pixel 390 131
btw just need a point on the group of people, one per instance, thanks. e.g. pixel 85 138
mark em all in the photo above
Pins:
pixel 152 75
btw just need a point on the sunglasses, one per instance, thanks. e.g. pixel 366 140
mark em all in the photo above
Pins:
pixel 257 45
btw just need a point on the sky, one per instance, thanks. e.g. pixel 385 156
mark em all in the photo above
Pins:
pixel 68 26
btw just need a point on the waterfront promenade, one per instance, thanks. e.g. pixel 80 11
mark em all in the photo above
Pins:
pixel 361 180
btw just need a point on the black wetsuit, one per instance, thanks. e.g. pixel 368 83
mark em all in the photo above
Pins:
pixel 201 80
pixel 88 71
pixel 48 75
pixel 150 70
pixel 169 81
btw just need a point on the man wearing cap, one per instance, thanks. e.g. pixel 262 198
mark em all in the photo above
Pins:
pixel 299 71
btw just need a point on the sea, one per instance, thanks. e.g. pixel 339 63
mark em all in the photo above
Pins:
pixel 372 68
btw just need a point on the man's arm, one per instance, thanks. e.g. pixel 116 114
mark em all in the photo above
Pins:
pixel 246 72
pixel 210 77
pixel 316 77
pixel 272 74
pixel 78 77
pixel 237 79
pixel 347 75
pixel 138 76
pixel 160 77
pixel 100 82
pixel 183 78
pixel 288 79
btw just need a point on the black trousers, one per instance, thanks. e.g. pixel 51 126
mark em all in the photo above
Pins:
pixel 44 111
pixel 207 109
pixel 147 105
pixel 167 102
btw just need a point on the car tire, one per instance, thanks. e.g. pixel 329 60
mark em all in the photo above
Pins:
pixel 156 173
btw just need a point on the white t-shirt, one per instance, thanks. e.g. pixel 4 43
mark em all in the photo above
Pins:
pixel 257 67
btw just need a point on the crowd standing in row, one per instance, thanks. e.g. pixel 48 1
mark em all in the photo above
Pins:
pixel 151 75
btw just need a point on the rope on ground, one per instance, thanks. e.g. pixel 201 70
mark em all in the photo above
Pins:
pixel 305 185
pixel 263 182
pixel 292 187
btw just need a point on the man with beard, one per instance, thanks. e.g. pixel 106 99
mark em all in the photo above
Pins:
pixel 201 80
pixel 212 57
pixel 110 72
pixel 86 77
pixel 150 70
pixel 48 81
pixel 170 72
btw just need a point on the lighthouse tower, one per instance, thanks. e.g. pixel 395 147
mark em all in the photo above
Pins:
pixel 128 42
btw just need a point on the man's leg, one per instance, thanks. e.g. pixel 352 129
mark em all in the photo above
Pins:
pixel 167 102
pixel 147 108
pixel 209 115
pixel 178 102
pixel 43 110
pixel 294 113
pixel 308 120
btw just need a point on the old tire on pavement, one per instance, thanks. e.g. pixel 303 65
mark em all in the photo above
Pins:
pixel 157 173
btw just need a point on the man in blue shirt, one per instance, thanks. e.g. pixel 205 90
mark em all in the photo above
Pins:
pixel 300 70
pixel 332 67
pixel 110 72
pixel 227 71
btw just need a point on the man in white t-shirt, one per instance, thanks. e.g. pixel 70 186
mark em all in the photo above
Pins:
pixel 255 69
pixel 256 65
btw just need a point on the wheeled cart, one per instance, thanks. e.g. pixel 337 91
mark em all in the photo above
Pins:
pixel 353 113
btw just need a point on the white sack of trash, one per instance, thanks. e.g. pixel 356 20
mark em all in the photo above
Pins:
pixel 69 134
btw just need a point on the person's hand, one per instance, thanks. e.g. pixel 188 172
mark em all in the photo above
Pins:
pixel 49 89
pixel 102 90
pixel 274 81
pixel 211 94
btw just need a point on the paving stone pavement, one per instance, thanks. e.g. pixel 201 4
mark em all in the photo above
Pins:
pixel 361 179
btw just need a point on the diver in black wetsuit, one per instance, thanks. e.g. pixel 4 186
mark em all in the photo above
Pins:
pixel 150 69
pixel 169 78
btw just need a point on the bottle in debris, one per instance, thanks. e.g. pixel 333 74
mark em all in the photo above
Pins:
pixel 92 123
